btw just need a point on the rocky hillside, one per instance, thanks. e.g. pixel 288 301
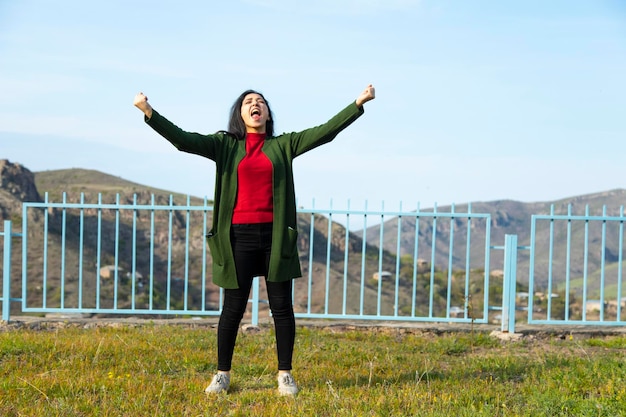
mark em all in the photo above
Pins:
pixel 17 184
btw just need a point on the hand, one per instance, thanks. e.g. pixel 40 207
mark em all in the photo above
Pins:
pixel 141 102
pixel 368 94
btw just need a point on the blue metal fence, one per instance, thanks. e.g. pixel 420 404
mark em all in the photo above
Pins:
pixel 131 257
pixel 563 288
pixel 100 275
pixel 384 284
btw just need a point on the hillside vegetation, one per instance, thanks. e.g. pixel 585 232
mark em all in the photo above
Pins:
pixel 90 182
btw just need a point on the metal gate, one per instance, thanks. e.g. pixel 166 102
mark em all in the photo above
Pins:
pixel 576 269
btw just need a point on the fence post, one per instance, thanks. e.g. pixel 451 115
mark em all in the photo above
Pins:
pixel 6 274
pixel 255 301
pixel 509 283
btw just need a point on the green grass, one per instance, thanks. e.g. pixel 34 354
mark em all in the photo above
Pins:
pixel 162 370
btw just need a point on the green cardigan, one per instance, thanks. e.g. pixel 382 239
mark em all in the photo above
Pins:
pixel 227 152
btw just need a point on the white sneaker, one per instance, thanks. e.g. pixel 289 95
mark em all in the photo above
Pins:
pixel 220 383
pixel 286 384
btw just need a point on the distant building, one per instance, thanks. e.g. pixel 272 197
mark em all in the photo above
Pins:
pixel 543 296
pixel 456 311
pixel 383 275
pixel 593 306
pixel 108 271
pixel 497 273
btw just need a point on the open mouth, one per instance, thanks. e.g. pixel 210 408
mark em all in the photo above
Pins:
pixel 255 114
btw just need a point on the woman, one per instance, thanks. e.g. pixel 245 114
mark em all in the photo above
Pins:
pixel 254 215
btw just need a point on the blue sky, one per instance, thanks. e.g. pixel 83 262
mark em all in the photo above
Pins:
pixel 476 100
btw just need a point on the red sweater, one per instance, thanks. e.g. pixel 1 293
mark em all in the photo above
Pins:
pixel 254 185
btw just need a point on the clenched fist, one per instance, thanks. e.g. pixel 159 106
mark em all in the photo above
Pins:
pixel 368 94
pixel 141 102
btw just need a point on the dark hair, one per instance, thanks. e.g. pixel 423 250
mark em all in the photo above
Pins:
pixel 237 127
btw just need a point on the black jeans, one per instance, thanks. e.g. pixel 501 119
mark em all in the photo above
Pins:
pixel 251 248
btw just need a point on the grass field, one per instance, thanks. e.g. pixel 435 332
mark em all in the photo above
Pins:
pixel 162 370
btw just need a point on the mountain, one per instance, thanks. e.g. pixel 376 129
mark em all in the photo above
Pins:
pixel 514 218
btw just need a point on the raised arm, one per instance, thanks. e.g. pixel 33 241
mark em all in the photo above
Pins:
pixel 141 102
pixel 368 94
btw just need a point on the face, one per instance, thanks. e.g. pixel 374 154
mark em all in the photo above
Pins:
pixel 254 113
